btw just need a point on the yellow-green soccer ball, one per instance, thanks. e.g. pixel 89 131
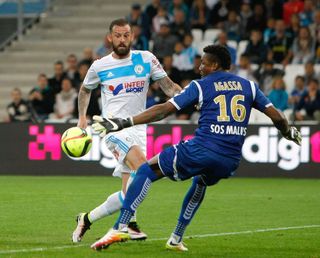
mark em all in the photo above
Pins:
pixel 76 142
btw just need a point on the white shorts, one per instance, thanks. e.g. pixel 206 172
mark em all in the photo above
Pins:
pixel 119 144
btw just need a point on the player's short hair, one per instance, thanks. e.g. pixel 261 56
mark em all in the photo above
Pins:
pixel 118 22
pixel 220 55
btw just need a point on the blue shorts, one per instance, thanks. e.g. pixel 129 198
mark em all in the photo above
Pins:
pixel 188 159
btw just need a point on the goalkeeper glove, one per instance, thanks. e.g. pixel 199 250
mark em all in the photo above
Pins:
pixel 293 135
pixel 104 126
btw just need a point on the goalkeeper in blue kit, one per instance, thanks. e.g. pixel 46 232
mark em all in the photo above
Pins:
pixel 225 102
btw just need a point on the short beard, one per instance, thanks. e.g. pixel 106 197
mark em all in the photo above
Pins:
pixel 122 52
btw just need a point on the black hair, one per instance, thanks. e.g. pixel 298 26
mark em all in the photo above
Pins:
pixel 314 81
pixel 59 62
pixel 83 63
pixel 245 55
pixel 72 55
pixel 220 55
pixel 188 35
pixel 309 62
pixel 17 89
pixel 118 22
pixel 67 78
pixel 42 75
pixel 300 77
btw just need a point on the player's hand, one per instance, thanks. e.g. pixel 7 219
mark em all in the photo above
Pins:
pixel 104 126
pixel 293 135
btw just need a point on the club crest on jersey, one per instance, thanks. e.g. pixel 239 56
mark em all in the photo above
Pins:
pixel 110 74
pixel 138 69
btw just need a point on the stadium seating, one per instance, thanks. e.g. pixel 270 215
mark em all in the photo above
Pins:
pixel 202 44
pixel 68 28
pixel 241 48
pixel 211 34
pixel 256 117
pixel 197 35
pixel 291 71
pixel 233 43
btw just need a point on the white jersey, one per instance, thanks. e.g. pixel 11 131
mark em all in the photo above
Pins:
pixel 124 82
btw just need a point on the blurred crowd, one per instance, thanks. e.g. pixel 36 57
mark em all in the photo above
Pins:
pixel 276 34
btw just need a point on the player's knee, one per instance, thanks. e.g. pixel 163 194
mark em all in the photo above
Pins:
pixel 138 161
pixel 199 180
pixel 208 181
pixel 204 180
pixel 135 158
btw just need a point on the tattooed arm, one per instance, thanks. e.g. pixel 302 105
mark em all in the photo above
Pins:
pixel 155 113
pixel 83 103
pixel 168 86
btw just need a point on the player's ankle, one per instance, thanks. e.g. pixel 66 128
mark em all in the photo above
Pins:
pixel 176 239
pixel 86 219
pixel 123 227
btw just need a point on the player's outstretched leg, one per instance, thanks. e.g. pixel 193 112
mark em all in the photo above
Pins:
pixel 84 220
pixel 110 206
pixel 134 197
pixel 190 206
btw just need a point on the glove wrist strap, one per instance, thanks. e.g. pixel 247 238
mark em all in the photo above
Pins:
pixel 131 120
pixel 287 133
pixel 128 122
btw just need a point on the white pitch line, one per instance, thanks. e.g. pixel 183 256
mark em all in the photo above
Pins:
pixel 41 249
pixel 242 232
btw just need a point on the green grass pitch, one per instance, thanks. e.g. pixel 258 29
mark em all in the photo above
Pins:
pixel 241 217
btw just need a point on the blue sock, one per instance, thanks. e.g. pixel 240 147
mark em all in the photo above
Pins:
pixel 191 203
pixel 136 193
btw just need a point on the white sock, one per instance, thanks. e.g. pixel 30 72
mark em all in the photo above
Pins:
pixel 134 217
pixel 110 206
pixel 175 238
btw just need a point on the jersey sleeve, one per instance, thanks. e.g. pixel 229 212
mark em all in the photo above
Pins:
pixel 157 71
pixel 92 80
pixel 260 101
pixel 191 94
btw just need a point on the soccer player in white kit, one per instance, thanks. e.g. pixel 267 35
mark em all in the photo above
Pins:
pixel 124 77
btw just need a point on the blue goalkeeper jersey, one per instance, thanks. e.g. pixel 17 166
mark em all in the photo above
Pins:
pixel 225 101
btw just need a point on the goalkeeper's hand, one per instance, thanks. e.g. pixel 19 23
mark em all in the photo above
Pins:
pixel 293 135
pixel 104 126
